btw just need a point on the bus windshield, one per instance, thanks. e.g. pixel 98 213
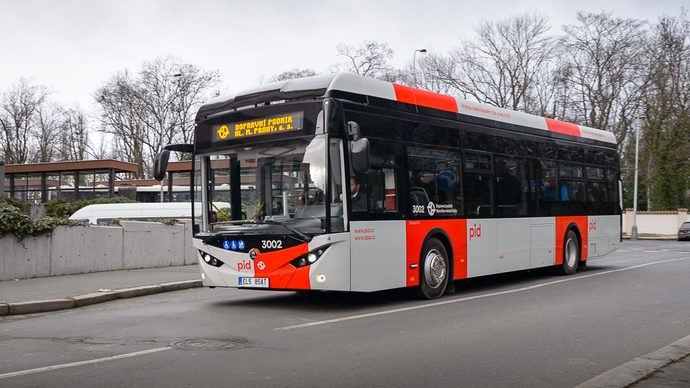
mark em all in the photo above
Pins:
pixel 283 188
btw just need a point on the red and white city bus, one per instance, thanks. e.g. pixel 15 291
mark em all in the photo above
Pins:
pixel 365 185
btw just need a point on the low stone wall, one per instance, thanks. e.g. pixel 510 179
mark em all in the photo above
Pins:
pixel 656 223
pixel 83 249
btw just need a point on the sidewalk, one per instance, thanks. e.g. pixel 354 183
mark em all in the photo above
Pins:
pixel 76 290
pixel 668 366
pixel 676 374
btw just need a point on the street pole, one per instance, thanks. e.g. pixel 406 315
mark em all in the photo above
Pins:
pixel 633 232
pixel 414 65
pixel 177 77
pixel 2 179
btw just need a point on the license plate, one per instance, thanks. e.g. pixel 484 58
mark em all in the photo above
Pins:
pixel 252 282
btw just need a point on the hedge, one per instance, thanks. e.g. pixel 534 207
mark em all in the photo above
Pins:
pixel 15 220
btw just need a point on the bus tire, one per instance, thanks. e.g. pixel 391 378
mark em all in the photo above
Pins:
pixel 433 270
pixel 571 254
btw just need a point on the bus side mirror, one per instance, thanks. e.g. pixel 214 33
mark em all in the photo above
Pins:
pixel 160 165
pixel 359 155
pixel 359 149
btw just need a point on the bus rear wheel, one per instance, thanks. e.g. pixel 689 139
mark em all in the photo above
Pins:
pixel 571 254
pixel 434 270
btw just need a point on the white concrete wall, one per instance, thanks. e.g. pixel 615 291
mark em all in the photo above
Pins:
pixel 152 244
pixel 660 223
pixel 27 258
pixel 83 249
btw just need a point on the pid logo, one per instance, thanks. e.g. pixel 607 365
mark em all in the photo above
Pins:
pixel 592 225
pixel 475 231
pixel 244 265
pixel 431 208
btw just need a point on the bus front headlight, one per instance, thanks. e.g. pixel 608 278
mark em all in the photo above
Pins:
pixel 210 260
pixel 309 258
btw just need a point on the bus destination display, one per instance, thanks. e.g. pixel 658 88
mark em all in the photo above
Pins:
pixel 287 122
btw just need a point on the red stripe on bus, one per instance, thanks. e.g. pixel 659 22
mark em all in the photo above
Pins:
pixel 562 223
pixel 562 127
pixel 417 230
pixel 275 265
pixel 425 98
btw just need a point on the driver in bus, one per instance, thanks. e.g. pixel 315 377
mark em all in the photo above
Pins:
pixel 359 197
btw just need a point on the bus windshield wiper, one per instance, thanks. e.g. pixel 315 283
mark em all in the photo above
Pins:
pixel 303 236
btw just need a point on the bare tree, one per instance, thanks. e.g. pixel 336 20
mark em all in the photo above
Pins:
pixel 46 131
pixel 605 71
pixel 74 135
pixel 193 87
pixel 369 59
pixel 19 107
pixel 292 74
pixel 119 118
pixel 503 65
pixel 430 73
pixel 155 108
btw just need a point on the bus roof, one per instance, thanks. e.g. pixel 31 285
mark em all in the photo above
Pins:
pixel 324 85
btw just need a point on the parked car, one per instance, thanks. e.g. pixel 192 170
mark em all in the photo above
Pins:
pixel 102 214
pixel 684 231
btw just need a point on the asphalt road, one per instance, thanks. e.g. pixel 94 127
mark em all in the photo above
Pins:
pixel 525 329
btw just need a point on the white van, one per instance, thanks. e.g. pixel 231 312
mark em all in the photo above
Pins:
pixel 102 214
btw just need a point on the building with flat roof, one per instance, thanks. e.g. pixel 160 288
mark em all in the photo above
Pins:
pixel 86 179
pixel 41 182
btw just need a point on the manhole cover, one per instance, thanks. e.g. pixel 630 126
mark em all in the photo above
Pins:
pixel 212 344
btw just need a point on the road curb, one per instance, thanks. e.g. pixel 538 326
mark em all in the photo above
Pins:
pixel 642 367
pixel 40 306
pixel 94 297
pixel 132 292
pixel 175 286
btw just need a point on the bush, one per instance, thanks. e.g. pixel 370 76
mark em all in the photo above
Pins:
pixel 60 208
pixel 14 221
pixel 23 206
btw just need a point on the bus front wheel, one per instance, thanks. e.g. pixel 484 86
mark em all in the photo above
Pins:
pixel 571 253
pixel 433 270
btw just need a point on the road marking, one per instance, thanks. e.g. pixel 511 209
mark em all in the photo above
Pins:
pixel 80 363
pixel 468 298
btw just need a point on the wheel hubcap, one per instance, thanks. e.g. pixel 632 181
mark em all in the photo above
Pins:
pixel 571 252
pixel 434 269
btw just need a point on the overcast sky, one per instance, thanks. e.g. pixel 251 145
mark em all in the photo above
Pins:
pixel 74 46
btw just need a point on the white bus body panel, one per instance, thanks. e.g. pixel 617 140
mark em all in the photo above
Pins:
pixel 513 244
pixel 481 246
pixel 542 240
pixel 378 255
pixel 332 270
pixel 603 234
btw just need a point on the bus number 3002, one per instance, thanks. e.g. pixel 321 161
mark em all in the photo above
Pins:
pixel 271 244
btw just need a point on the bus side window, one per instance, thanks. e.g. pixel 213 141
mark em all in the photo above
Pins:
pixel 376 191
pixel 612 183
pixel 382 190
pixel 548 186
pixel 434 185
pixel 511 187
pixel 479 185
pixel 572 185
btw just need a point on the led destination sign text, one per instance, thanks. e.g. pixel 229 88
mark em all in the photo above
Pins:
pixel 259 127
